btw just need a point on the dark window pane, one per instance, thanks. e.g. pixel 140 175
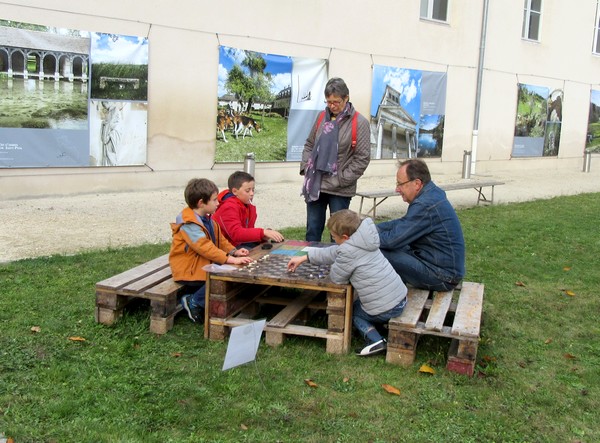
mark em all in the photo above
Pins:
pixel 440 10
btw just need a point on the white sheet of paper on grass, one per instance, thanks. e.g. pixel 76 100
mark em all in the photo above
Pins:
pixel 243 344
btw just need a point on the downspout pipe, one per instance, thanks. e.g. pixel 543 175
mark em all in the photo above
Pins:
pixel 475 136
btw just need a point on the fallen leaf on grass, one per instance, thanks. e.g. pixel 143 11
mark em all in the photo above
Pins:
pixel 36 329
pixel 567 268
pixel 427 369
pixel 310 383
pixel 570 356
pixel 391 389
pixel 176 354
pixel 243 427
pixel 346 379
pixel 520 283
pixel 569 293
pixel 548 341
pixel 76 338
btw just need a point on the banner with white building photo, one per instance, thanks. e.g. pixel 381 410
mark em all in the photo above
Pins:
pixel 267 104
pixel 71 98
pixel 408 108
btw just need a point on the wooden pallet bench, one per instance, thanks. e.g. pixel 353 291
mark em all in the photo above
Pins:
pixel 151 281
pixel 453 314
pixel 379 197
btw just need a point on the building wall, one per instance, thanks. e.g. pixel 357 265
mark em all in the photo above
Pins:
pixel 353 35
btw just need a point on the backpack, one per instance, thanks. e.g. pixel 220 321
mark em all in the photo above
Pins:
pixel 354 125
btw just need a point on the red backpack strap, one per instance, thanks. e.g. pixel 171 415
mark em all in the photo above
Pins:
pixel 320 119
pixel 354 125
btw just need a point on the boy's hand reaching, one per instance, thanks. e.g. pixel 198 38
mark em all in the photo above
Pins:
pixel 295 262
pixel 269 234
pixel 239 260
pixel 242 252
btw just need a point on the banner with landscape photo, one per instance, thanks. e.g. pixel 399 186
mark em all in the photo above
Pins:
pixel 71 98
pixel 267 104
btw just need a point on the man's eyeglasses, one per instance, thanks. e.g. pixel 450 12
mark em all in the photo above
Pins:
pixel 400 184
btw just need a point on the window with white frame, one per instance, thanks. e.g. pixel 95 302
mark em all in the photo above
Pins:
pixel 596 45
pixel 532 19
pixel 435 10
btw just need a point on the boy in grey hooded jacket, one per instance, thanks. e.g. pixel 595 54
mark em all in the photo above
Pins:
pixel 356 259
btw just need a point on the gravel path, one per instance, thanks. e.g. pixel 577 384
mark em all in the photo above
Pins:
pixel 67 225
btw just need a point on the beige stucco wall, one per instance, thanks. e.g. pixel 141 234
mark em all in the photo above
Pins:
pixel 183 61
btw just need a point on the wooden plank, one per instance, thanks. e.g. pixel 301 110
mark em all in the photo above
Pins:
pixel 287 314
pixel 468 185
pixel 413 309
pixel 141 271
pixel 141 285
pixel 162 290
pixel 439 310
pixel 467 319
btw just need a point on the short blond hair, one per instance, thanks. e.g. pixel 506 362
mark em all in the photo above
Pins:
pixel 343 222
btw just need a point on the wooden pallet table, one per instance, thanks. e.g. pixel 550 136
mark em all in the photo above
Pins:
pixel 233 298
pixel 453 314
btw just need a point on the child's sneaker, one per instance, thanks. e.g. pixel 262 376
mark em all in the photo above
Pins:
pixel 193 312
pixel 373 349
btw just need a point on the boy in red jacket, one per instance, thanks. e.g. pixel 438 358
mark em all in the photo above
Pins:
pixel 237 215
pixel 198 241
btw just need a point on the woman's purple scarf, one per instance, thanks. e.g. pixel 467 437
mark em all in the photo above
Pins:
pixel 323 158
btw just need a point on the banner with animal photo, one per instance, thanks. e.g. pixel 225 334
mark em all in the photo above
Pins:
pixel 408 110
pixel 538 123
pixel 71 98
pixel 593 132
pixel 267 104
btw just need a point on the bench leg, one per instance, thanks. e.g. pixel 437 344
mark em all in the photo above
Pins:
pixel 335 344
pixel 401 348
pixel 462 356
pixel 274 338
pixel 109 307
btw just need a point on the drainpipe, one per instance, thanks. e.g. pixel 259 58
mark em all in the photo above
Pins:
pixel 479 81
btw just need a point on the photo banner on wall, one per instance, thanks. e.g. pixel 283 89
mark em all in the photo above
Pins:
pixel 593 132
pixel 408 110
pixel 538 122
pixel 267 104
pixel 71 98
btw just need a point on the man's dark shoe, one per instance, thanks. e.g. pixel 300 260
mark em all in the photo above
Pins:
pixel 373 349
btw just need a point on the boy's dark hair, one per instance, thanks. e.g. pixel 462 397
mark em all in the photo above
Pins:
pixel 416 169
pixel 343 222
pixel 237 179
pixel 199 189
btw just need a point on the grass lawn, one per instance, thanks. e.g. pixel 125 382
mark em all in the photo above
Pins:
pixel 537 378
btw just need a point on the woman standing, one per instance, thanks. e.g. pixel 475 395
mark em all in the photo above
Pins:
pixel 335 156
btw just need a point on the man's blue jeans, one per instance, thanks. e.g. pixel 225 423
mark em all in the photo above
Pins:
pixel 415 273
pixel 363 322
pixel 316 212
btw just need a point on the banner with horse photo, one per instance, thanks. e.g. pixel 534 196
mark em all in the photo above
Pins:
pixel 267 104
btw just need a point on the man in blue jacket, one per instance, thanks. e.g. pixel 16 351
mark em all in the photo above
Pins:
pixel 426 247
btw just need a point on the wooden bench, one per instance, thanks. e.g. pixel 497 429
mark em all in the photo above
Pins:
pixel 152 281
pixel 384 195
pixel 453 314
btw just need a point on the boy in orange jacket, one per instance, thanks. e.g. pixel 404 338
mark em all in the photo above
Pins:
pixel 198 241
